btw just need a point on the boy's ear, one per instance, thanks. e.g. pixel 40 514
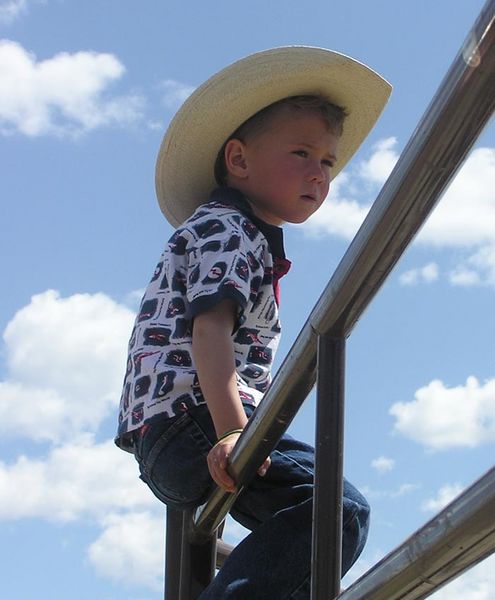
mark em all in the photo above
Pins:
pixel 235 158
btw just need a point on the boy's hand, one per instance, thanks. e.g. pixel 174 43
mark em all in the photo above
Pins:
pixel 218 461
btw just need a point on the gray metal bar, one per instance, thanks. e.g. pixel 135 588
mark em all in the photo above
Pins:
pixel 173 551
pixel 460 109
pixel 223 552
pixel 460 536
pixel 329 455
pixel 197 561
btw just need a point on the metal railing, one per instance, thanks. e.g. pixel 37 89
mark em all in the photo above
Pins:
pixel 464 532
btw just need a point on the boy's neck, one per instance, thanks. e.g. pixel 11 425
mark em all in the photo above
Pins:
pixel 243 201
pixel 234 197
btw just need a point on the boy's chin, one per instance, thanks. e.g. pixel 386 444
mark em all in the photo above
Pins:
pixel 298 220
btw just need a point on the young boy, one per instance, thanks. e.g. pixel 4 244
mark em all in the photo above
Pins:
pixel 273 130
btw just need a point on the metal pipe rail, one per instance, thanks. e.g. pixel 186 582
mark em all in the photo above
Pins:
pixel 460 536
pixel 450 126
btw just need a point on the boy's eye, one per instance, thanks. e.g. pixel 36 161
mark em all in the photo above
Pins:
pixel 304 154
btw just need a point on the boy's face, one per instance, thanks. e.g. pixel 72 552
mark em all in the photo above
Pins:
pixel 288 167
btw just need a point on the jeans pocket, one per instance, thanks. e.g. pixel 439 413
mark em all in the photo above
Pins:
pixel 173 463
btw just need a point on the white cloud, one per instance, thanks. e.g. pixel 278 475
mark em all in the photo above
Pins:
pixel 444 496
pixel 342 213
pixel 465 217
pixel 133 298
pixel 130 549
pixel 10 10
pixel 402 490
pixel 63 95
pixel 175 92
pixel 338 215
pixel 462 276
pixel 426 274
pixel 479 268
pixel 84 480
pixel 78 480
pixel 383 464
pixel 65 361
pixel 465 220
pixel 379 166
pixel 155 125
pixel 440 417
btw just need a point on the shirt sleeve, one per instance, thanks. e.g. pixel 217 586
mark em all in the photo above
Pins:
pixel 226 261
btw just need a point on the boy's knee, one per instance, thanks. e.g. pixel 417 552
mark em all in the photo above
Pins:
pixel 356 520
pixel 364 510
pixel 356 513
pixel 363 516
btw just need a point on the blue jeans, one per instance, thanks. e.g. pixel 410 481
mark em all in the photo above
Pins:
pixel 274 561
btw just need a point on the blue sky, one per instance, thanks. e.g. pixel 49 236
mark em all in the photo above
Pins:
pixel 86 92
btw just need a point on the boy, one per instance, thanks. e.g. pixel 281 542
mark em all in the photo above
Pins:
pixel 273 129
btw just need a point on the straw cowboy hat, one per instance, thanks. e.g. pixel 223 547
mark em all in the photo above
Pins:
pixel 184 169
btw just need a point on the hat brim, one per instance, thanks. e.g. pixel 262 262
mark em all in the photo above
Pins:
pixel 184 170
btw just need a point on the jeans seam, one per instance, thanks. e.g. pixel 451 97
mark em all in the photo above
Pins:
pixel 198 437
pixel 294 461
pixel 299 587
pixel 350 517
pixel 161 442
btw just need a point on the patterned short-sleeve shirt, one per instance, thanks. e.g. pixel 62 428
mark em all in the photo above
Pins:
pixel 221 251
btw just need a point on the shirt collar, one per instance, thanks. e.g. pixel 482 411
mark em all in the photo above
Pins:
pixel 273 234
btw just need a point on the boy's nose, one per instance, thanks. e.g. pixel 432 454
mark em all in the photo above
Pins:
pixel 316 173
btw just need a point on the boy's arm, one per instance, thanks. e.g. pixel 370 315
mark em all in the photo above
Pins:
pixel 213 353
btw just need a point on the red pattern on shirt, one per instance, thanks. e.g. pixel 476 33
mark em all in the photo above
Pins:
pixel 281 267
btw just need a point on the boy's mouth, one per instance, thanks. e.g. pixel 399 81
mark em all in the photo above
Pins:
pixel 309 197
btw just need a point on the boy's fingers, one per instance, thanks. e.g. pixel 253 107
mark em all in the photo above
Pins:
pixel 264 467
pixel 218 463
pixel 224 481
pixel 218 472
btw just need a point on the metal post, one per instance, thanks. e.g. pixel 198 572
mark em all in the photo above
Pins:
pixel 327 503
pixel 173 551
pixel 189 563
pixel 198 557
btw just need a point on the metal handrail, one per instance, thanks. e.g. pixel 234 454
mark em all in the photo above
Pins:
pixel 461 535
pixel 451 124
